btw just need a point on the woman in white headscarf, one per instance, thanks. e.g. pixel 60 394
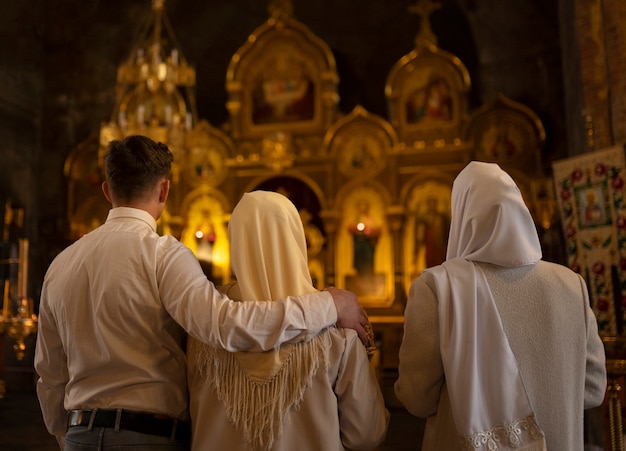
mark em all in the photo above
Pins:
pixel 319 395
pixel 501 349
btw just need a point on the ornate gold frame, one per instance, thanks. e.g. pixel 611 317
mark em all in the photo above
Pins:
pixel 280 59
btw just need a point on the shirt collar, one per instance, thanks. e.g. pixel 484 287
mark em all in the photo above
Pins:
pixel 133 213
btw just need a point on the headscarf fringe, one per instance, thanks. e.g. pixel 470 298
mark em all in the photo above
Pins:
pixel 259 408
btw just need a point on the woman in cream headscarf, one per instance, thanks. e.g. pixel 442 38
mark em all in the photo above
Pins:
pixel 319 395
pixel 501 349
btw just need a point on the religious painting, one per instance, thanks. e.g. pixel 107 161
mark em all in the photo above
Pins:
pixel 205 162
pixel 591 197
pixel 427 227
pixel 206 235
pixel 501 142
pixel 508 133
pixel 361 142
pixel 206 165
pixel 283 92
pixel 430 102
pixel 427 95
pixel 362 151
pixel 592 201
pixel 283 77
pixel 364 253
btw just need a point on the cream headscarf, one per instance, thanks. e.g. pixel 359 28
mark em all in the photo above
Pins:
pixel 490 223
pixel 269 260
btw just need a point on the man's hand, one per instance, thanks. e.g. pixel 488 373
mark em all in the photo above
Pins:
pixel 350 314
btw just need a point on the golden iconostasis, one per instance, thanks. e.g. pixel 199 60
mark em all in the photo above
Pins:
pixel 373 192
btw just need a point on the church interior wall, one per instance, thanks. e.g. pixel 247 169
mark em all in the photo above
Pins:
pixel 75 61
pixel 58 76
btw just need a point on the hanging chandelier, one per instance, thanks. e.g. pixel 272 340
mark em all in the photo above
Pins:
pixel 155 88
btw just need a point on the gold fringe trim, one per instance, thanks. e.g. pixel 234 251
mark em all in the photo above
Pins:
pixel 258 408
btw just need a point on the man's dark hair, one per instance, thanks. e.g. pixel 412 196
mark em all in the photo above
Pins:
pixel 134 164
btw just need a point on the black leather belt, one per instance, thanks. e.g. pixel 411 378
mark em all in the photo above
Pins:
pixel 145 423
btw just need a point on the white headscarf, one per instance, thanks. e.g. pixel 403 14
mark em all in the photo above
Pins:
pixel 490 223
pixel 268 248
pixel 269 258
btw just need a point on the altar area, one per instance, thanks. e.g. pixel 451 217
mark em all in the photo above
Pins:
pixel 373 192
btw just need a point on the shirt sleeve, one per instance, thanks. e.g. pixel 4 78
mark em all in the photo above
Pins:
pixel 363 418
pixel 595 374
pixel 420 369
pixel 51 367
pixel 212 318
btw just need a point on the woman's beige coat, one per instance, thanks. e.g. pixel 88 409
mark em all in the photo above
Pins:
pixel 552 332
pixel 318 395
pixel 343 407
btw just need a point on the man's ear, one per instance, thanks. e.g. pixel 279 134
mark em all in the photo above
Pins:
pixel 164 191
pixel 106 191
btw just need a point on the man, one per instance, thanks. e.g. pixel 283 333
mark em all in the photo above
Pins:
pixel 116 304
pixel 500 349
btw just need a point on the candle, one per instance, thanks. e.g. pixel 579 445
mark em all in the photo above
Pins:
pixel 140 113
pixel 122 119
pixel 175 57
pixel 22 274
pixel 6 311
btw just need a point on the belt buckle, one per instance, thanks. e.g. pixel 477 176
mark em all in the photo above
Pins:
pixel 76 417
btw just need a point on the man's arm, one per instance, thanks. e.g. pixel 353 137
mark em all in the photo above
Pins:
pixel 50 365
pixel 214 319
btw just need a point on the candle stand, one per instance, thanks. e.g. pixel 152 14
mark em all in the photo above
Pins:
pixel 17 327
pixel 17 316
pixel 20 326
pixel 615 348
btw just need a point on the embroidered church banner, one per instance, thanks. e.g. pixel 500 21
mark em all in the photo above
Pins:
pixel 590 192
